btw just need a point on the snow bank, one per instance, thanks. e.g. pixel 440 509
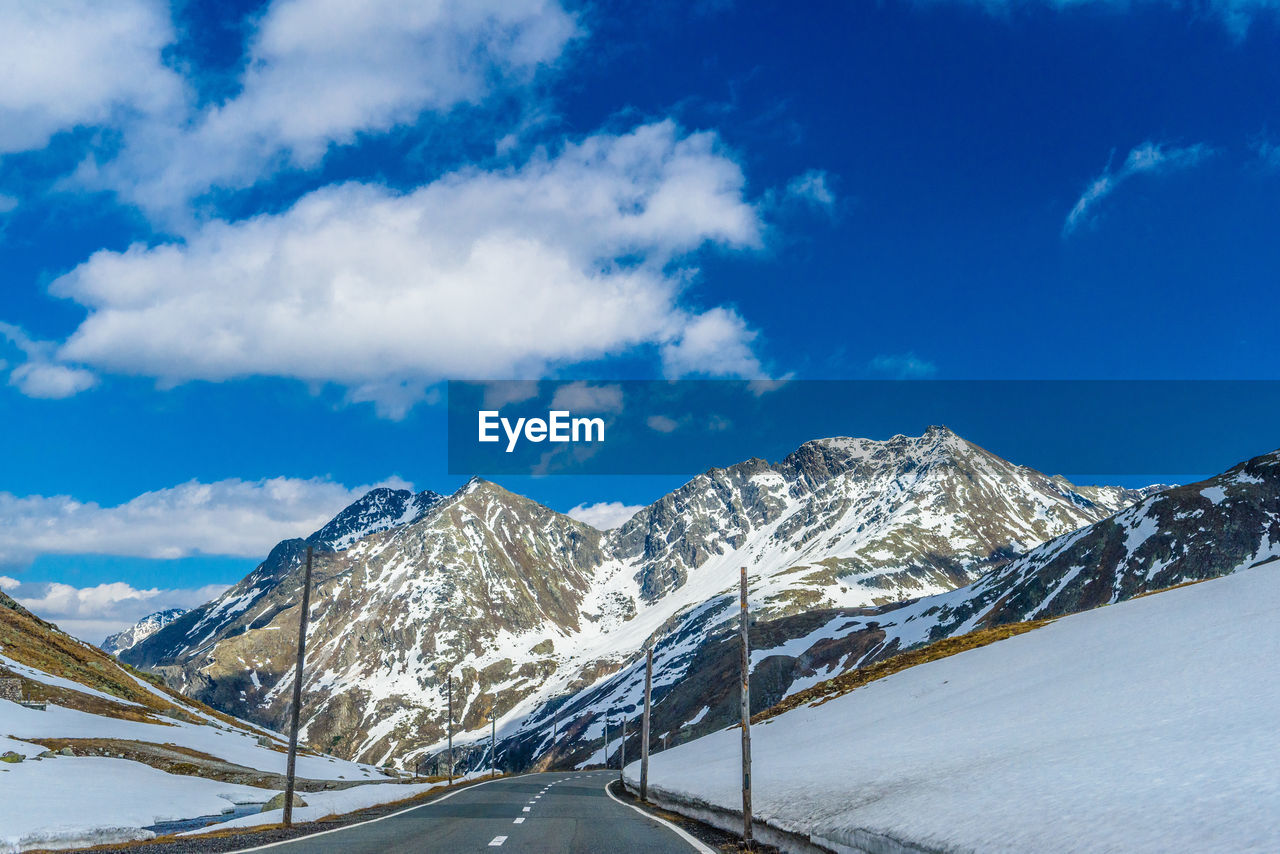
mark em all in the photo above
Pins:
pixel 1147 726
pixel 321 804
pixel 70 802
pixel 240 747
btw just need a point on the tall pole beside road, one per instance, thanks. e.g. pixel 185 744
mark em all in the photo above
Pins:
pixel 450 729
pixel 291 769
pixel 493 741
pixel 622 752
pixel 644 726
pixel 606 739
pixel 746 710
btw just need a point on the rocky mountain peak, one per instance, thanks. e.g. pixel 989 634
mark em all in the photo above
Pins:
pixel 377 510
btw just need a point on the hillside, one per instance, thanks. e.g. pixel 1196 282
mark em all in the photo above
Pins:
pixel 1182 534
pixel 95 752
pixel 526 607
pixel 1147 726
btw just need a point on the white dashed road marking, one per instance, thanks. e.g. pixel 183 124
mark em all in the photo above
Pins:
pixel 526 809
pixel 520 820
pixel 496 841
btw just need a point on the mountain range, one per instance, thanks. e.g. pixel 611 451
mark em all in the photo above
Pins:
pixel 539 618
pixel 141 630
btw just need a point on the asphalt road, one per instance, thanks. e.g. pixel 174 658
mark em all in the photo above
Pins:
pixel 557 812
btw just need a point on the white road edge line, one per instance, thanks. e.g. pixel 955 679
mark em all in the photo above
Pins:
pixel 683 834
pixel 359 823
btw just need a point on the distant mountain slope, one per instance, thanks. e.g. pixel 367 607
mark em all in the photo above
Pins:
pixel 141 630
pixel 526 607
pixel 1186 533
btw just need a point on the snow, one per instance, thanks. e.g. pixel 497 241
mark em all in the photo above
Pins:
pixel 60 682
pixel 239 746
pixel 1146 726
pixel 73 801
pixel 1216 494
pixel 321 804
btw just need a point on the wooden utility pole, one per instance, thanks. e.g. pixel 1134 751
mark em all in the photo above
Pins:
pixel 644 726
pixel 622 752
pixel 746 711
pixel 450 729
pixel 291 768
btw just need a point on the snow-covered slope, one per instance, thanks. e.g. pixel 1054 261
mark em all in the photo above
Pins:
pixel 105 752
pixel 1182 534
pixel 526 607
pixel 1148 726
pixel 141 630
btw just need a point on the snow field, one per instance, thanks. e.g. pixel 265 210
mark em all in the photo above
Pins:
pixel 1146 726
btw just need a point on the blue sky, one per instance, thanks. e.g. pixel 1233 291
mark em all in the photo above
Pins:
pixel 244 243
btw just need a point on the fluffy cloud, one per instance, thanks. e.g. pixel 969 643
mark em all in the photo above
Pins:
pixel 604 515
pixel 717 343
pixel 72 63
pixel 570 257
pixel 227 517
pixel 39 376
pixel 92 613
pixel 1147 159
pixel 319 73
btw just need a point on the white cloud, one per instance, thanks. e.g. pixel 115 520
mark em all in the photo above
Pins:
pixel 39 376
pixel 902 366
pixel 72 63
pixel 812 188
pixel 662 423
pixel 42 379
pixel 1147 159
pixel 605 515
pixel 7 203
pixel 479 274
pixel 92 613
pixel 716 343
pixel 7 583
pixel 319 73
pixel 227 517
pixel 588 398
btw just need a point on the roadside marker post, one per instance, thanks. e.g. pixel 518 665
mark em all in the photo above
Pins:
pixel 622 752
pixel 644 726
pixel 746 711
pixel 291 768
pixel 493 741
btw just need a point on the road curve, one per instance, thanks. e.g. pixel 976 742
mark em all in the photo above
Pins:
pixel 554 812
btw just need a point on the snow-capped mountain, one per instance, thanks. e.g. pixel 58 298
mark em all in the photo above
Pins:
pixel 377 510
pixel 1178 535
pixel 141 630
pixel 526 607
